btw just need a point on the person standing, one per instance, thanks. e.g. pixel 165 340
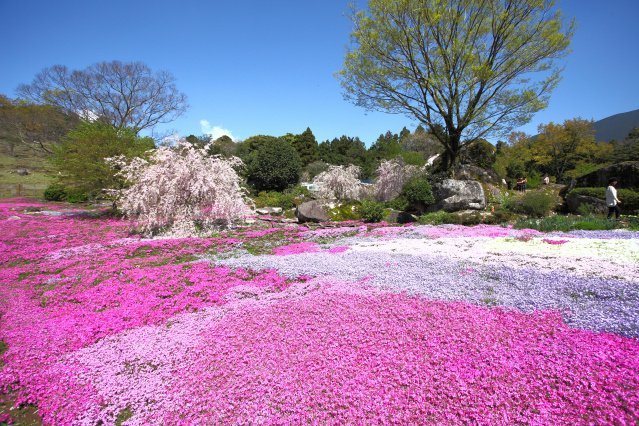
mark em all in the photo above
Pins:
pixel 611 198
pixel 546 180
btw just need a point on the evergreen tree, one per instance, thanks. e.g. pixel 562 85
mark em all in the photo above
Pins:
pixel 306 146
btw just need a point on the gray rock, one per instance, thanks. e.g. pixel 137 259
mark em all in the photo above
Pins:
pixel 396 216
pixel 269 210
pixel 51 213
pixel 13 218
pixel 470 172
pixel 453 195
pixel 311 211
pixel 575 201
pixel 22 172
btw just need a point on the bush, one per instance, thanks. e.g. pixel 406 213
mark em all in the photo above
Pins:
pixel 274 165
pixel 399 203
pixel 439 218
pixel 533 203
pixel 76 195
pixel 567 223
pixel 418 193
pixel 629 198
pixel 55 192
pixel 345 211
pixel 371 211
pixel 499 216
pixel 288 199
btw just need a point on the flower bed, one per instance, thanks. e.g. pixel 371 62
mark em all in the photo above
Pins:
pixel 367 324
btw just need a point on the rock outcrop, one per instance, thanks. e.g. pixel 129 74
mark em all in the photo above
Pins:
pixel 452 195
pixel 311 211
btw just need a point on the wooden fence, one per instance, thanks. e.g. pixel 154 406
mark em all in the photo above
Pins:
pixel 8 190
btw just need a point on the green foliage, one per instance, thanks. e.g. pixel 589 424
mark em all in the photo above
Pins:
pixel 499 216
pixel 306 146
pixel 480 153
pixel 567 223
pixel 454 56
pixel 345 211
pixel 532 203
pixel 399 203
pixel 371 211
pixel 346 150
pixel 314 169
pixel 418 192
pixel 55 192
pixel 80 156
pixel 288 199
pixel 442 217
pixel 629 198
pixel 273 165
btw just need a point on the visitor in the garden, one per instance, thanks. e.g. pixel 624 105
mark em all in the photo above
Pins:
pixel 546 180
pixel 521 184
pixel 611 198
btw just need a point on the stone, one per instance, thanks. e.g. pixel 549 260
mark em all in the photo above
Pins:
pixel 269 210
pixel 594 205
pixel 626 172
pixel 311 211
pixel 452 195
pixel 397 216
pixel 22 172
pixel 470 172
pixel 13 218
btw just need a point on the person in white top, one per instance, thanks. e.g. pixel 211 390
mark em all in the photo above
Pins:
pixel 611 198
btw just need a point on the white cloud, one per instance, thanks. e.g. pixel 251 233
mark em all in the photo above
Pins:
pixel 215 131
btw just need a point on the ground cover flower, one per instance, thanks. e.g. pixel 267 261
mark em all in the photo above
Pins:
pixel 361 324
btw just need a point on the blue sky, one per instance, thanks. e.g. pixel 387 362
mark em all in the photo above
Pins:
pixel 267 66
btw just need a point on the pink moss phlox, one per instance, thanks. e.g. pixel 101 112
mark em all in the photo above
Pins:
pixel 304 247
pixel 554 242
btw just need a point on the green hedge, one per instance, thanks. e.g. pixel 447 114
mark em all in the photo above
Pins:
pixel 629 198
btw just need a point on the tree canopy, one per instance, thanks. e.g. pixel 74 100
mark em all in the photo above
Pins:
pixel 125 95
pixel 464 68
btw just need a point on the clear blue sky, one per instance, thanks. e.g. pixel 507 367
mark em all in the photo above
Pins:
pixel 267 66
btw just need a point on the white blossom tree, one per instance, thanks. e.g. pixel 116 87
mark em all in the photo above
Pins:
pixel 180 190
pixel 391 177
pixel 340 182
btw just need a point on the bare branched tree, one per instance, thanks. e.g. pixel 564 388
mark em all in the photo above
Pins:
pixel 123 94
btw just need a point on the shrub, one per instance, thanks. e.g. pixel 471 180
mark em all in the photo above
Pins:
pixel 55 192
pixel 566 223
pixel 399 203
pixel 345 211
pixel 418 193
pixel 533 203
pixel 76 195
pixel 340 182
pixel 499 216
pixel 371 211
pixel 288 199
pixel 438 218
pixel 181 190
pixel 274 165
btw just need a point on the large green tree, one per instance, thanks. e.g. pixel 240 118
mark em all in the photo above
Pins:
pixel 306 146
pixel 273 165
pixel 79 158
pixel 464 68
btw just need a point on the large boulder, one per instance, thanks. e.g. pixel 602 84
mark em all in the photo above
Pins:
pixel 627 172
pixel 471 172
pixel 452 195
pixel 594 205
pixel 312 211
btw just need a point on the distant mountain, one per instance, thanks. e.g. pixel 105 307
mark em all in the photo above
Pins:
pixel 616 127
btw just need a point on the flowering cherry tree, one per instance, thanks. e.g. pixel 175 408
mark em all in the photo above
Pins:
pixel 339 182
pixel 391 177
pixel 180 189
